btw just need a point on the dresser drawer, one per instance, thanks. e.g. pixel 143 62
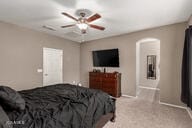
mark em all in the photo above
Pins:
pixel 107 75
pixel 107 82
pixel 95 85
pixel 107 89
pixel 95 79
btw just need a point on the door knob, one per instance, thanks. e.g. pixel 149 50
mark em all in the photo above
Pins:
pixel 46 74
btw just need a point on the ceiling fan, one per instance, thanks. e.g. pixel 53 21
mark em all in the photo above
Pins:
pixel 83 22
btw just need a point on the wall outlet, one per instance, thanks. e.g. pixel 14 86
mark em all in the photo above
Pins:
pixel 39 70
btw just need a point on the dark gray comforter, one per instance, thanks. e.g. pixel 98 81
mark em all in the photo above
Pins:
pixel 62 106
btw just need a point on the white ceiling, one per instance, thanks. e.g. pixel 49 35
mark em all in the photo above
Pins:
pixel 118 16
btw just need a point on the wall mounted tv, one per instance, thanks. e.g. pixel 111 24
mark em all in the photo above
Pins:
pixel 106 58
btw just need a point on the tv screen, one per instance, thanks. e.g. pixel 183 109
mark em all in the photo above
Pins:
pixel 106 58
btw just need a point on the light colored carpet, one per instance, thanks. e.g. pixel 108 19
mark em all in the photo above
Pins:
pixel 145 112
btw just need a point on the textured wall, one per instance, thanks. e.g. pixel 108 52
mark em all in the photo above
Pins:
pixel 172 39
pixel 21 54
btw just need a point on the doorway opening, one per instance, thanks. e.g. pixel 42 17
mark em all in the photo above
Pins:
pixel 52 66
pixel 148 69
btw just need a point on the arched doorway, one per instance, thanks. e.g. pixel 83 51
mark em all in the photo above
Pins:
pixel 148 67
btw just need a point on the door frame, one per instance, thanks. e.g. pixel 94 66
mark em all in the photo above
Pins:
pixel 54 49
pixel 138 43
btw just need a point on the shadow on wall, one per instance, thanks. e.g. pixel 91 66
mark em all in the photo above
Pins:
pixel 147 47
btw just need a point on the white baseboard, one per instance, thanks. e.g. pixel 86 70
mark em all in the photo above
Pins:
pixel 172 105
pixel 177 106
pixel 190 113
pixel 128 96
pixel 167 104
pixel 149 88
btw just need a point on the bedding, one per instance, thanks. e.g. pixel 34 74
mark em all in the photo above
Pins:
pixel 11 99
pixel 62 106
pixel 4 119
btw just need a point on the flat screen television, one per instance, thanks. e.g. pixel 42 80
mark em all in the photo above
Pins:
pixel 106 58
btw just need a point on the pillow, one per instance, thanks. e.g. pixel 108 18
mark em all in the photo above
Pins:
pixel 4 120
pixel 11 99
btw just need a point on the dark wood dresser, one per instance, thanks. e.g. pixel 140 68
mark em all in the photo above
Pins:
pixel 107 82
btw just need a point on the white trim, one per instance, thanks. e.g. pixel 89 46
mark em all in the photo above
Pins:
pixel 167 104
pixel 128 96
pixel 190 20
pixel 149 88
pixel 177 106
pixel 172 105
pixel 148 40
pixel 190 113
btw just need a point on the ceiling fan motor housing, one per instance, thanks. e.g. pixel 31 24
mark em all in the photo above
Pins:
pixel 83 13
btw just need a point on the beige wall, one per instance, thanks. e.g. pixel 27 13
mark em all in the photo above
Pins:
pixel 148 48
pixel 21 56
pixel 21 52
pixel 172 39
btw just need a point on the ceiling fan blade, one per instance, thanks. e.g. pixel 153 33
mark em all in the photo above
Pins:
pixel 94 17
pixel 66 14
pixel 97 27
pixel 68 26
pixel 48 28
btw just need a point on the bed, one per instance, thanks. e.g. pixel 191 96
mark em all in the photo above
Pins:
pixel 62 106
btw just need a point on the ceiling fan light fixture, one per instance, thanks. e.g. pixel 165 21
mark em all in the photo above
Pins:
pixel 82 26
pixel 83 22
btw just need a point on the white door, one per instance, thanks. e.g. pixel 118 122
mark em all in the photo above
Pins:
pixel 52 66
